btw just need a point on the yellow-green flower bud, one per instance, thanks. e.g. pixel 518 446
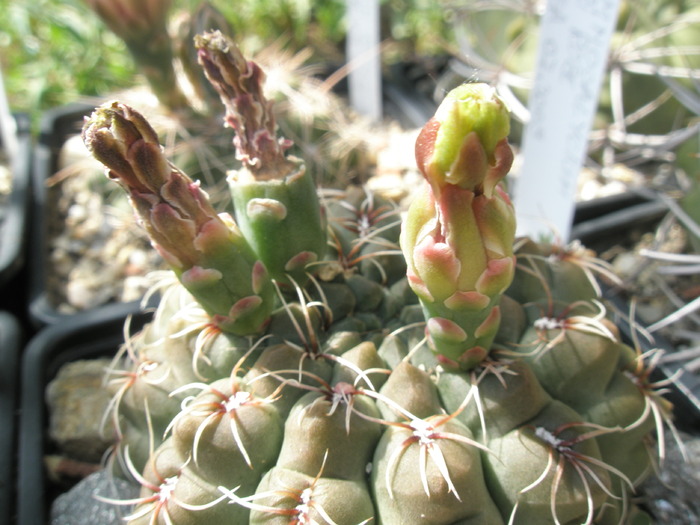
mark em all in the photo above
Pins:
pixel 462 143
pixel 458 236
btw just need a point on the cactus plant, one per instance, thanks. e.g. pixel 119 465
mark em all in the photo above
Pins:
pixel 317 362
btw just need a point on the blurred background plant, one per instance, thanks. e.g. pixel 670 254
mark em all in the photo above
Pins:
pixel 52 52
pixel 55 51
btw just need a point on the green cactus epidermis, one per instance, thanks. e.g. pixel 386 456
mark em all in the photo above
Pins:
pixel 282 221
pixel 340 413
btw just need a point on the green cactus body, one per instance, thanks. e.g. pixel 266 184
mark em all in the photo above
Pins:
pixel 279 216
pixel 358 400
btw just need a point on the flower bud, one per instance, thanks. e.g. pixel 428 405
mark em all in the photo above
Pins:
pixel 463 143
pixel 458 235
pixel 207 251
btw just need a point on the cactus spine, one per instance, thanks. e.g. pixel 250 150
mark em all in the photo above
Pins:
pixel 293 375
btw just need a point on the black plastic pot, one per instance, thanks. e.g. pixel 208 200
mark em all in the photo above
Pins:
pixel 10 345
pixel 600 223
pixel 56 127
pixel 93 334
pixel 14 216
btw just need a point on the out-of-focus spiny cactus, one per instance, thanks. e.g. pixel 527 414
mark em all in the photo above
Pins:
pixel 649 101
pixel 143 26
pixel 357 399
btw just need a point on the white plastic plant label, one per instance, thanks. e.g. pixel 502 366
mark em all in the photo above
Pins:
pixel 573 49
pixel 8 129
pixel 363 56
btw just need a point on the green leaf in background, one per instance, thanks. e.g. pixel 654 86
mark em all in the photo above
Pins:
pixel 53 52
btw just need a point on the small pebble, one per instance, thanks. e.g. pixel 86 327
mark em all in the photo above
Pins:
pixel 79 506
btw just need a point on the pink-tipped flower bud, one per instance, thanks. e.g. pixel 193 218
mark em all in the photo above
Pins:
pixel 274 196
pixel 239 83
pixel 464 144
pixel 206 250
pixel 458 235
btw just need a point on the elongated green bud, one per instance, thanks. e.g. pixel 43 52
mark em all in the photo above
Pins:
pixel 458 235
pixel 207 251
pixel 274 196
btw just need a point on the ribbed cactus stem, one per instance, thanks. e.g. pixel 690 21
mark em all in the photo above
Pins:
pixel 275 200
pixel 458 235
pixel 208 253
